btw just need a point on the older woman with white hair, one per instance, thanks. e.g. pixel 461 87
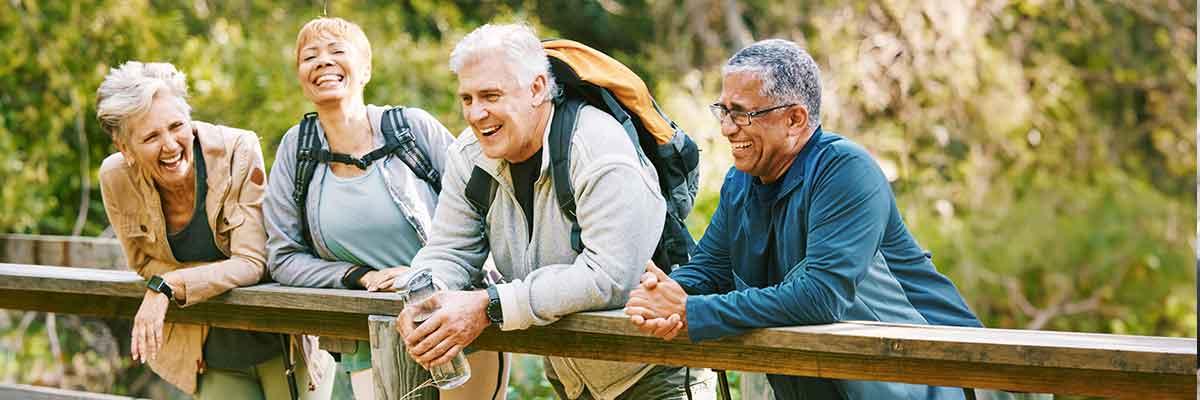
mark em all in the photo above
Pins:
pixel 184 198
pixel 353 190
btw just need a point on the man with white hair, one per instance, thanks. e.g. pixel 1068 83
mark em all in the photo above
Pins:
pixel 508 99
pixel 807 232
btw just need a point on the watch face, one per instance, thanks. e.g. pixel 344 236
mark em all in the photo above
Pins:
pixel 155 283
pixel 159 285
pixel 494 312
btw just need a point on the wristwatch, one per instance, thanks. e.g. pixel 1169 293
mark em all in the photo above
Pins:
pixel 494 312
pixel 159 285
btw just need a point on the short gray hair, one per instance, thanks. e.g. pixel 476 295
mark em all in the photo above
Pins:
pixel 129 89
pixel 788 73
pixel 516 43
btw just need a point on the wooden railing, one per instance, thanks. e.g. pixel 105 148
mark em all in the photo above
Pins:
pixel 1119 366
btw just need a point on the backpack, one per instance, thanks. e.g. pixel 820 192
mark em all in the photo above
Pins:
pixel 589 77
pixel 398 140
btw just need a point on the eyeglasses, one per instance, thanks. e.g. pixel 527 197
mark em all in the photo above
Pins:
pixel 741 118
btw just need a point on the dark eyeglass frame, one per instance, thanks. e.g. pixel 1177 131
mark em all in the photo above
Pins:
pixel 720 112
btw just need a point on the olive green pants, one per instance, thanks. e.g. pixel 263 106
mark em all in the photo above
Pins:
pixel 265 381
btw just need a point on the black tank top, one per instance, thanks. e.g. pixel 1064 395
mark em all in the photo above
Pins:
pixel 224 348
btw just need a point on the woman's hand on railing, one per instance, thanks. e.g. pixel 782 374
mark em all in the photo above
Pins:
pixel 381 280
pixel 147 336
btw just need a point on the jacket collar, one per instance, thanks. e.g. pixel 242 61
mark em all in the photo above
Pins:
pixel 211 139
pixel 794 177
pixel 217 160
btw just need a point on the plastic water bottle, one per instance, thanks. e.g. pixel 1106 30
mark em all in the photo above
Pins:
pixel 420 286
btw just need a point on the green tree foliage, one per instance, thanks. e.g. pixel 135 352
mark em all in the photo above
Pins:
pixel 1043 151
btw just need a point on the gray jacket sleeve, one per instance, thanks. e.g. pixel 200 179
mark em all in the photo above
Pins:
pixel 457 248
pixel 289 260
pixel 621 217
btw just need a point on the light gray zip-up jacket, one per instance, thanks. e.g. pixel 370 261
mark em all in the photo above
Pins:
pixel 293 263
pixel 620 211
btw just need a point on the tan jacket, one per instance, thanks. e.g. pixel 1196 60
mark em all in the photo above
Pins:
pixel 236 182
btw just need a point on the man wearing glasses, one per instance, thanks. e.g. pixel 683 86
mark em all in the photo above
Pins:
pixel 806 232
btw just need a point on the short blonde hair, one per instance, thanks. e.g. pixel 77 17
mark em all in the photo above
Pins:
pixel 129 90
pixel 335 27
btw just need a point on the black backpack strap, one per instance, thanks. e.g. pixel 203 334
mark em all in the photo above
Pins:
pixel 562 128
pixel 399 140
pixel 481 190
pixel 308 151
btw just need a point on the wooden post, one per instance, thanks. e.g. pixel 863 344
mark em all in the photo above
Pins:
pixel 395 372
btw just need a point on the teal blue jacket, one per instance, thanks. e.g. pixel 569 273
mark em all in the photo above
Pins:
pixel 825 243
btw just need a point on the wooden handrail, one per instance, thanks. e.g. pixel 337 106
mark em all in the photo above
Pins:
pixel 1032 361
pixel 1119 366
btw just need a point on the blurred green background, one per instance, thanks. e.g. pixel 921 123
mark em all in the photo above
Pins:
pixel 1043 151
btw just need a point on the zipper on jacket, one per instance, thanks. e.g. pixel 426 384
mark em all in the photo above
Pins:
pixel 508 189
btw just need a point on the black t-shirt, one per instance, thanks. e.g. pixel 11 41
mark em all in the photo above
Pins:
pixel 524 175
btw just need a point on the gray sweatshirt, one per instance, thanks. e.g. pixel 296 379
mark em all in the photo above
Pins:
pixel 293 263
pixel 620 212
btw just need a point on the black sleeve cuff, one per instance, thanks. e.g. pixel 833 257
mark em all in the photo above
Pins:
pixel 353 279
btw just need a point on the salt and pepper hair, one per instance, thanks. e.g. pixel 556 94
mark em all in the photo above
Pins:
pixel 788 73
pixel 513 44
pixel 128 91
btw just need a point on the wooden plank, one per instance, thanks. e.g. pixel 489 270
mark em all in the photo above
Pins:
pixel 67 251
pixel 1031 361
pixel 551 341
pixel 546 340
pixel 29 392
pixel 397 376
pixel 322 323
pixel 990 346
pixel 129 284
pixel 1133 353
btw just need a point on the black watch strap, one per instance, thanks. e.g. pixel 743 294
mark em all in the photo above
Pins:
pixel 495 312
pixel 353 278
pixel 159 285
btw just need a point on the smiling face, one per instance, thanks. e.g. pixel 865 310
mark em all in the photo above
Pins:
pixel 506 117
pixel 767 146
pixel 160 142
pixel 332 70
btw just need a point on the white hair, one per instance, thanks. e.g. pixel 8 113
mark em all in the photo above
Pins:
pixel 788 73
pixel 516 44
pixel 129 89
